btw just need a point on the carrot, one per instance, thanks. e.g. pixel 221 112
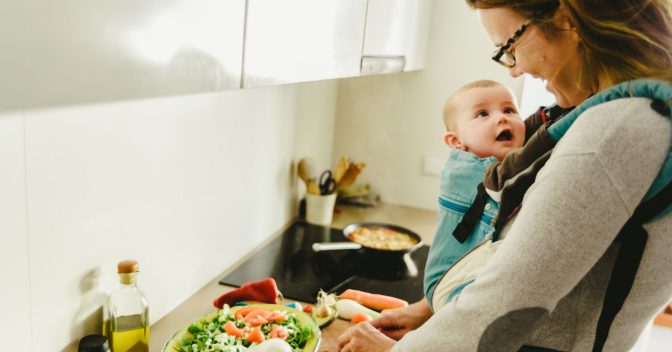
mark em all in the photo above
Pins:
pixel 372 300
pixel 255 336
pixel 360 317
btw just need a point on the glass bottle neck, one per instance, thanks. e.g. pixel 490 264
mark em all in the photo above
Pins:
pixel 128 279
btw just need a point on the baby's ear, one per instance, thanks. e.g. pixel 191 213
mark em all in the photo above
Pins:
pixel 453 141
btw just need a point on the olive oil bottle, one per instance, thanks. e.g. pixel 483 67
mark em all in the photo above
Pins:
pixel 128 312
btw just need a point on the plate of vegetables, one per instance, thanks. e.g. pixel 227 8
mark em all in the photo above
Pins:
pixel 255 328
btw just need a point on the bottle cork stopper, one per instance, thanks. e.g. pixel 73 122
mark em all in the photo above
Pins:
pixel 127 266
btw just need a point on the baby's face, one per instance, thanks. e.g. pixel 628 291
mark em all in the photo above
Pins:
pixel 487 121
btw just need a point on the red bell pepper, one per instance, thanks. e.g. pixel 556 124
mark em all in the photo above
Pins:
pixel 265 291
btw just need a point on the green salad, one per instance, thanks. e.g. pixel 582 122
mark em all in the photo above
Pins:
pixel 244 328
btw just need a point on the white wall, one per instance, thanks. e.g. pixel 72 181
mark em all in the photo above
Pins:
pixel 186 185
pixel 534 94
pixel 392 121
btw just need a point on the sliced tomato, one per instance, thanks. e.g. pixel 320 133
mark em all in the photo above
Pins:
pixel 278 332
pixel 255 335
pixel 232 329
pixel 244 311
pixel 256 321
pixel 277 316
pixel 258 317
pixel 308 308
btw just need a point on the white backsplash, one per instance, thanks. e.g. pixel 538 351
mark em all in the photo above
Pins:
pixel 186 185
pixel 14 270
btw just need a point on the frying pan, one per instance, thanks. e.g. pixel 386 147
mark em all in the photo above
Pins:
pixel 350 245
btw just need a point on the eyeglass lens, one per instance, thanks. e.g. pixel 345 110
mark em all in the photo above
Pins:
pixel 502 55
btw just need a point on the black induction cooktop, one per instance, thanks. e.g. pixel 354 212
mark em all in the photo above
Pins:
pixel 300 272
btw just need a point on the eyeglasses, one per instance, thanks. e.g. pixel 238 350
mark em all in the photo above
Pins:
pixel 503 55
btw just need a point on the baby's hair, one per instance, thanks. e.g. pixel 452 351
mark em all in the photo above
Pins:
pixel 449 107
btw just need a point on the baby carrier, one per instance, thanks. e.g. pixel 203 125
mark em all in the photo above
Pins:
pixel 632 238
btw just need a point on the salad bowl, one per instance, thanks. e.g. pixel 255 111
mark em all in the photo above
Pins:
pixel 302 324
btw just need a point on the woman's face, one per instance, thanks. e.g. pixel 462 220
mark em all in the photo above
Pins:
pixel 556 60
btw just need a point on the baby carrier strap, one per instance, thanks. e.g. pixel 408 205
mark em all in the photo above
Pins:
pixel 645 88
pixel 632 238
pixel 472 216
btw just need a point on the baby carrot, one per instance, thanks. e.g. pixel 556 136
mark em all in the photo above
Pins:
pixel 372 300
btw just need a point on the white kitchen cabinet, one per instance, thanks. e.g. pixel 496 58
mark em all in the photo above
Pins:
pixel 396 36
pixel 302 40
pixel 78 51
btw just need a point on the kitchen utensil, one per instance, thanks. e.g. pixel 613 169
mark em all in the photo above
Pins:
pixel 300 273
pixel 330 246
pixel 302 170
pixel 320 208
pixel 312 187
pixel 327 183
pixel 351 174
pixel 341 167
pixel 173 345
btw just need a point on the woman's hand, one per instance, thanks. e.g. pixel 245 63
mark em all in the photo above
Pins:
pixel 364 337
pixel 379 334
pixel 395 323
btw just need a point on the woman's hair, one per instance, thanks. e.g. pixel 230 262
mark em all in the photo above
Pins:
pixel 621 39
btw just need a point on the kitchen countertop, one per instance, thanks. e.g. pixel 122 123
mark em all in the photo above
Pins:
pixel 422 221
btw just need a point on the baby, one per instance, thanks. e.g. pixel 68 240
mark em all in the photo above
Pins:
pixel 482 125
pixel 482 118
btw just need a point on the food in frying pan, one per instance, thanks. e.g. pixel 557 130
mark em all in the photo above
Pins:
pixel 382 238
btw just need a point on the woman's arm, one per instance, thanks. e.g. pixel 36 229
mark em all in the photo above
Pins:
pixel 597 175
pixel 395 323
pixel 380 334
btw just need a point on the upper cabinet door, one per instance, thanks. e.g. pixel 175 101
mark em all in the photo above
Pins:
pixel 302 40
pixel 76 51
pixel 396 35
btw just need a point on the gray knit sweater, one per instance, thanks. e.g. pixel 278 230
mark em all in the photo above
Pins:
pixel 544 286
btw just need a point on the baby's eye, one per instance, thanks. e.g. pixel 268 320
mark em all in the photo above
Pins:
pixel 510 111
pixel 481 114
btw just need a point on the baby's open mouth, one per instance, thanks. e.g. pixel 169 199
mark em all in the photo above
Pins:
pixel 504 136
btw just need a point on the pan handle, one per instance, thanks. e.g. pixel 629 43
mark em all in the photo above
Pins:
pixel 335 246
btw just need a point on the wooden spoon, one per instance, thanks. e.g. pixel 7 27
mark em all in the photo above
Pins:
pixel 341 168
pixel 312 187
pixel 303 171
pixel 351 174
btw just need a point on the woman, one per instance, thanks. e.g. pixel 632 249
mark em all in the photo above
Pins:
pixel 545 285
